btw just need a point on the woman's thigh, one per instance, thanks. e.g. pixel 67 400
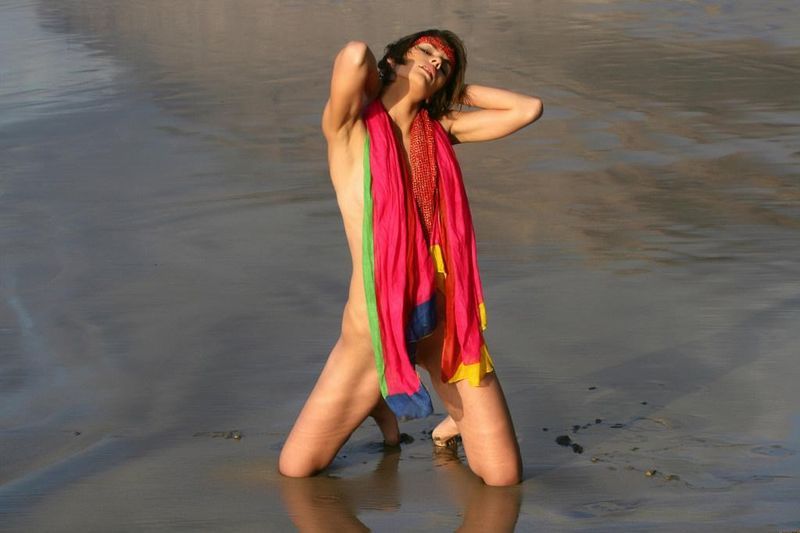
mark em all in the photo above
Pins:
pixel 487 431
pixel 346 391
pixel 481 414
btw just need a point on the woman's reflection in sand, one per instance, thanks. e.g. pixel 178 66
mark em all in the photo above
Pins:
pixel 328 504
pixel 486 508
pixel 323 503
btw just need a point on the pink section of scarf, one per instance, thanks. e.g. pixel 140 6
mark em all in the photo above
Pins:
pixel 404 267
pixel 404 273
pixel 463 290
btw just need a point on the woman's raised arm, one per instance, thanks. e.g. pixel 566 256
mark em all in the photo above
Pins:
pixel 500 113
pixel 354 79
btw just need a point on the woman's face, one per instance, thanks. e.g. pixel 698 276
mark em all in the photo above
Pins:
pixel 426 69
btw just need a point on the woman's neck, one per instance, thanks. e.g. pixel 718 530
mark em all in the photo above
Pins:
pixel 400 105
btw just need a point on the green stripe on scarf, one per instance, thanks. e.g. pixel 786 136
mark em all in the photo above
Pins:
pixel 368 266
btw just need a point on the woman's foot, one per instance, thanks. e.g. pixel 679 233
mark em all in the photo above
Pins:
pixel 446 434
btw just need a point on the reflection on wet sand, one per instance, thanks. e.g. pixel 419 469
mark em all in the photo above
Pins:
pixel 484 508
pixel 173 262
pixel 326 503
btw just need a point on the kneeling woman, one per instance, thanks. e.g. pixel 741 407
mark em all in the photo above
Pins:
pixel 415 294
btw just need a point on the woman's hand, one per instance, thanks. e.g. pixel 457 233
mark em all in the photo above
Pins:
pixel 500 113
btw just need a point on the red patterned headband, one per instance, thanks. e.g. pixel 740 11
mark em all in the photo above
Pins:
pixel 440 44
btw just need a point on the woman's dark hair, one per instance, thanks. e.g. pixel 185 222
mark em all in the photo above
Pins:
pixel 448 96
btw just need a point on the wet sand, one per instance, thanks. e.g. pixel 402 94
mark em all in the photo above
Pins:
pixel 173 267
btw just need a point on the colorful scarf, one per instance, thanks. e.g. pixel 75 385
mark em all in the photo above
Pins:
pixel 408 252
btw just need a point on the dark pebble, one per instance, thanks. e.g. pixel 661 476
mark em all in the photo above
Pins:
pixel 576 427
pixel 585 426
pixel 644 403
pixel 592 387
pixel 618 425
pixel 598 420
pixel 405 438
pixel 577 448
pixel 544 429
pixel 563 440
pixel 76 433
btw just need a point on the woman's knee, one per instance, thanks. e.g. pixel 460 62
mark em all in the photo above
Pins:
pixel 501 476
pixel 293 469
pixel 293 464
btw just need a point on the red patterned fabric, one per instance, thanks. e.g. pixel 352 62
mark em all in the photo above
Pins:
pixel 422 154
pixel 440 44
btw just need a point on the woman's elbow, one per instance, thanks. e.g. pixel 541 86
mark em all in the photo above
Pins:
pixel 531 110
pixel 354 53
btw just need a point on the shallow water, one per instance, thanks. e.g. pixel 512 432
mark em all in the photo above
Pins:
pixel 173 267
